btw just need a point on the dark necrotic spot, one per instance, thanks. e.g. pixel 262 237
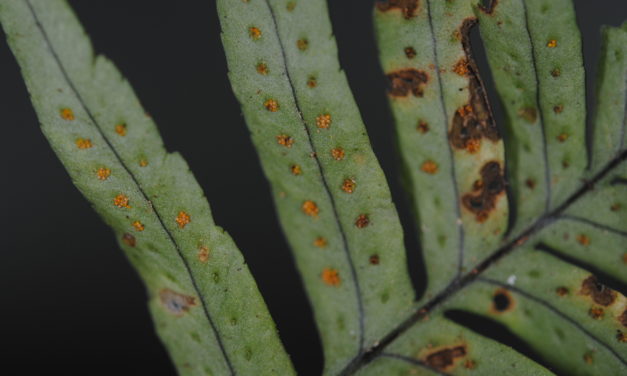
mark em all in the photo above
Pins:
pixel 444 359
pixel 403 82
pixel 487 6
pixel 482 200
pixel 501 301
pixel 407 7
pixel 599 293
pixel 410 52
pixel 175 303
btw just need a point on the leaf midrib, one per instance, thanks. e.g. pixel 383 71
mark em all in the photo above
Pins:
pixel 91 117
pixel 325 183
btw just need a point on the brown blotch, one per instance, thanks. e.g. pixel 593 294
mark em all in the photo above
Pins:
pixel 530 183
pixel 587 357
pixel 129 240
pixel 502 301
pixel 407 7
pixel 621 337
pixel 599 293
pixel 120 129
pixel 410 52
pixel 558 109
pixel 615 207
pixel 402 83
pixel 562 137
pixel 596 313
pixel 422 127
pixel 561 291
pixel 445 359
pixel 176 303
pixel 482 200
pixel 374 260
pixel 530 114
pixel 556 72
pixel 473 121
pixel 623 318
pixel 362 221
pixel 312 82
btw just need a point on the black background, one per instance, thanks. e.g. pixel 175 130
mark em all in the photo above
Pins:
pixel 69 301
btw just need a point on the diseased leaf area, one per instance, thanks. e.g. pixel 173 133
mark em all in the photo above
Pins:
pixel 550 284
pixel 522 220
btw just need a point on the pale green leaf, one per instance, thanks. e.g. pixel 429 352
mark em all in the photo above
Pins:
pixel 204 301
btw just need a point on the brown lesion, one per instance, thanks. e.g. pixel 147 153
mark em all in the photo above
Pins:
pixel 445 359
pixel 409 8
pixel 176 303
pixel 623 318
pixel 599 293
pixel 473 121
pixel 482 200
pixel 403 82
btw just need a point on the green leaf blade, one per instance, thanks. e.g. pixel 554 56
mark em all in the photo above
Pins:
pixel 333 201
pixel 115 157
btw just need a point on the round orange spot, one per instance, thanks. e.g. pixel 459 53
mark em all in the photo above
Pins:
pixel 302 44
pixel 262 68
pixel 254 32
pixel 320 242
pixel 271 105
pixel 143 162
pixel 430 167
pixel 552 43
pixel 562 137
pixel 138 226
pixel 362 221
pixel 83 143
pixel 296 170
pixel 583 239
pixel 349 185
pixel 103 173
pixel 203 254
pixel 312 82
pixel 120 129
pixel 121 201
pixel 66 114
pixel 183 219
pixel 331 276
pixel 285 140
pixel 310 208
pixel 374 260
pixel 461 67
pixel 323 121
pixel 558 109
pixel 337 154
